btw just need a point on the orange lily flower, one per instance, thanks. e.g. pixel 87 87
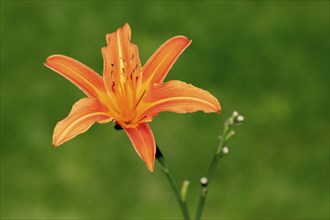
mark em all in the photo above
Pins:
pixel 128 94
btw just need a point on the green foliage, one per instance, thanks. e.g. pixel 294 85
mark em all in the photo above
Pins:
pixel 268 60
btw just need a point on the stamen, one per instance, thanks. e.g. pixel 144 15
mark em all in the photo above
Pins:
pixel 144 117
pixel 123 60
pixel 137 103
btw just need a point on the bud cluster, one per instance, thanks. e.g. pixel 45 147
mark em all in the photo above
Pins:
pixel 234 119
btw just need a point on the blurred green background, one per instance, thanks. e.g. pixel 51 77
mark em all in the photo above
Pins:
pixel 268 60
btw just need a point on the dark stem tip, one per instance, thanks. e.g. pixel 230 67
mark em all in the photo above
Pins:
pixel 158 153
pixel 118 127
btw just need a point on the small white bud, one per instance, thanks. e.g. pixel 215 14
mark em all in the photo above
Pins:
pixel 235 113
pixel 204 181
pixel 225 150
pixel 240 118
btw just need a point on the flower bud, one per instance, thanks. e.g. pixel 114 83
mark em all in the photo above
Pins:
pixel 204 181
pixel 236 118
pixel 184 190
pixel 240 119
pixel 230 134
pixel 225 150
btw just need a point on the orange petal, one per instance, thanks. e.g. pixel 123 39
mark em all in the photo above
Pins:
pixel 177 96
pixel 82 76
pixel 158 65
pixel 144 143
pixel 122 68
pixel 83 115
pixel 113 59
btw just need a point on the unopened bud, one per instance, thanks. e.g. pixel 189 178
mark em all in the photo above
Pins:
pixel 184 190
pixel 230 134
pixel 235 113
pixel 230 122
pixel 204 181
pixel 240 118
pixel 225 150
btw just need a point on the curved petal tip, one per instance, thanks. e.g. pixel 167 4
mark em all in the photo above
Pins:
pixel 143 142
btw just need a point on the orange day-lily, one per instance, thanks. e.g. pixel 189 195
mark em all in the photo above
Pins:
pixel 128 94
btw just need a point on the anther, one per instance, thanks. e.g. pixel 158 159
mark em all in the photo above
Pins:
pixel 123 60
pixel 123 71
pixel 113 87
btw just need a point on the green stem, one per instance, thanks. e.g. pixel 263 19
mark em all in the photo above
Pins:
pixel 205 181
pixel 218 155
pixel 202 198
pixel 182 203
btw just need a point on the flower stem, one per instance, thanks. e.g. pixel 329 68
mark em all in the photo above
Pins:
pixel 203 194
pixel 216 158
pixel 204 187
pixel 182 201
pixel 222 150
